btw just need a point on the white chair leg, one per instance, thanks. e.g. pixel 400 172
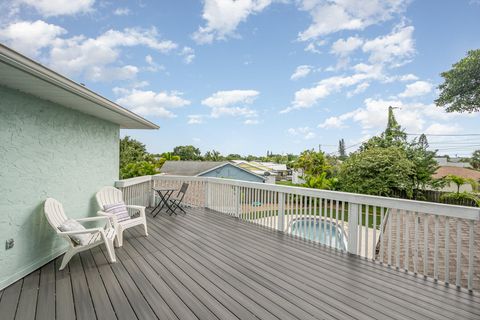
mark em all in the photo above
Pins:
pixel 111 251
pixel 119 238
pixel 66 258
pixel 145 227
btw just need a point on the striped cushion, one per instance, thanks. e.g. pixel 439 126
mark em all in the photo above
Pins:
pixel 81 239
pixel 119 210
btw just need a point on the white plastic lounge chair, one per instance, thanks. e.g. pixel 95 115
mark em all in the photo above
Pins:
pixel 108 196
pixel 93 237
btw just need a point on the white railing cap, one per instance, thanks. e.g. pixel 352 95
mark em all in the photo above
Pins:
pixel 442 209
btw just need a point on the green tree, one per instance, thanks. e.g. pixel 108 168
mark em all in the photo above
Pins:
pixel 393 135
pixel 234 156
pixel 169 156
pixel 312 163
pixel 460 181
pixel 342 154
pixel 132 150
pixel 424 165
pixel 377 171
pixel 460 90
pixel 212 156
pixel 187 152
pixel 475 159
pixel 136 169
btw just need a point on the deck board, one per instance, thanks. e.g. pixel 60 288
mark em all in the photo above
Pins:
pixel 206 265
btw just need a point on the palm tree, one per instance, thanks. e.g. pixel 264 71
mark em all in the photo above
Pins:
pixel 459 181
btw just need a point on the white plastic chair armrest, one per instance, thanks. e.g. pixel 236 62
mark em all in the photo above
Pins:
pixel 141 209
pixel 91 230
pixel 111 217
pixel 91 218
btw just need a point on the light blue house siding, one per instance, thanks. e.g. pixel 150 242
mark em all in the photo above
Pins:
pixel 47 150
pixel 229 171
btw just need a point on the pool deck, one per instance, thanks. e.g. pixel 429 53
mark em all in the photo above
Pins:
pixel 206 265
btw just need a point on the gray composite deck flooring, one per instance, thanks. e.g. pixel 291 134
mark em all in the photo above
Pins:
pixel 206 265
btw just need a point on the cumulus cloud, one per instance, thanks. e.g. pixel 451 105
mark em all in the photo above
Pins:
pixel 301 72
pixel 188 55
pixel 412 116
pixel 49 8
pixel 415 89
pixel 232 103
pixel 195 119
pixel 94 58
pixel 303 132
pixel 150 103
pixel 394 49
pixel 222 18
pixel 251 121
pixel 343 47
pixel 29 37
pixel 121 12
pixel 333 16
pixel 438 128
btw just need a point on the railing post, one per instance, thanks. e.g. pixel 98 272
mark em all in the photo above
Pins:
pixel 281 211
pixel 353 211
pixel 152 193
pixel 237 202
pixel 207 194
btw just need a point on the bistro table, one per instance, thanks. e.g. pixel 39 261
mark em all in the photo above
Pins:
pixel 164 194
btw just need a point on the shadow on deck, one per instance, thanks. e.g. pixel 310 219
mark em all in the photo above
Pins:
pixel 207 265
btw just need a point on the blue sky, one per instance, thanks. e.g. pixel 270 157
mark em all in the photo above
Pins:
pixel 249 76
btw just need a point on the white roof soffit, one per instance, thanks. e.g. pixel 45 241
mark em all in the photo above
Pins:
pixel 23 74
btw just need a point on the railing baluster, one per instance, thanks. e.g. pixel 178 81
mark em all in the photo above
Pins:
pixel 425 245
pixel 397 247
pixel 406 240
pixel 367 213
pixel 374 241
pixel 459 254
pixel 330 223
pixel 360 229
pixel 471 250
pixel 382 231
pixel 389 249
pixel 447 250
pixel 415 246
pixel 435 251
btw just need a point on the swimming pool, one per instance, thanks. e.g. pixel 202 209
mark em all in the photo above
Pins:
pixel 315 230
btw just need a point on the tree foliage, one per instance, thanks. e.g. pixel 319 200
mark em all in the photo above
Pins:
pixel 342 154
pixel 136 169
pixel 460 181
pixel 475 160
pixel 187 152
pixel 377 171
pixel 460 90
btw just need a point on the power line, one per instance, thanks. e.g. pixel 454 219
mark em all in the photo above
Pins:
pixel 444 135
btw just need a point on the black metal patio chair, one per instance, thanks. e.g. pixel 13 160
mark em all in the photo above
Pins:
pixel 177 200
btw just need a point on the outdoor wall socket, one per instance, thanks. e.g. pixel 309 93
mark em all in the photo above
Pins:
pixel 9 244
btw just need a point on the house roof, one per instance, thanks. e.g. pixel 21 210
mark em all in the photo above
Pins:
pixel 457 171
pixel 196 168
pixel 21 73
pixel 189 168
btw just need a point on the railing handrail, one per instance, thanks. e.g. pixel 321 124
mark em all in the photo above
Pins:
pixel 440 209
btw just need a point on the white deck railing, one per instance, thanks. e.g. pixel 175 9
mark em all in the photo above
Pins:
pixel 430 239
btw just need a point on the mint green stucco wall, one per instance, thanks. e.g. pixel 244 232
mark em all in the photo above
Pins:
pixel 47 150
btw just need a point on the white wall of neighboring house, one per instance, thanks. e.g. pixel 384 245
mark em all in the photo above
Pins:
pixel 296 176
pixel 270 179
pixel 452 187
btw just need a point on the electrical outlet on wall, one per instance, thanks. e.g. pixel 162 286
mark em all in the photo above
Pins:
pixel 9 244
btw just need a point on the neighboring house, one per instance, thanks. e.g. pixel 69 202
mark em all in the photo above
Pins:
pixel 216 169
pixel 297 176
pixel 457 171
pixel 57 139
pixel 452 162
pixel 280 169
pixel 257 168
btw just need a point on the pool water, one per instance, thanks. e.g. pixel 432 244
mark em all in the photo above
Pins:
pixel 320 232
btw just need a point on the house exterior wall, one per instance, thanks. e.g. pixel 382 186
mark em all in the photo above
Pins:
pixel 47 150
pixel 231 172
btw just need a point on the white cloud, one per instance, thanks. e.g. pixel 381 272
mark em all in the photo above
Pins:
pixel 314 45
pixel 149 103
pixel 307 97
pixel 29 37
pixel 121 12
pixel 438 128
pixel 50 8
pixel 301 72
pixel 333 16
pixel 188 55
pixel 223 16
pixel 94 58
pixel 412 116
pixel 418 88
pixel 359 89
pixel 343 47
pixel 251 121
pixel 152 65
pixel 227 103
pixel 303 132
pixel 195 119
pixel 394 49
